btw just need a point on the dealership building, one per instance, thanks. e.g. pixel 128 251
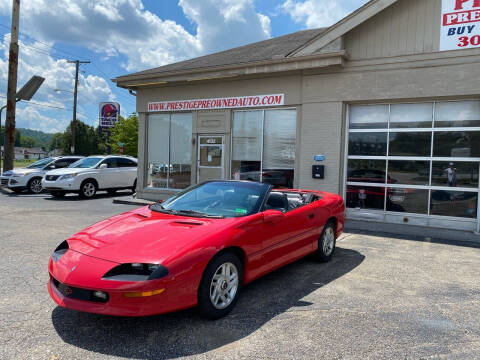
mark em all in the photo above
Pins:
pixel 382 107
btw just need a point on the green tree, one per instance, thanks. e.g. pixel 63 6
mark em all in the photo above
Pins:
pixel 55 142
pixel 27 141
pixel 17 136
pixel 87 140
pixel 125 131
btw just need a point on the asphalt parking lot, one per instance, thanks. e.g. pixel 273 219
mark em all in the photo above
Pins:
pixel 379 298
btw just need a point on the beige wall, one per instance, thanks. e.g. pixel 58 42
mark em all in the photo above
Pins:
pixel 407 27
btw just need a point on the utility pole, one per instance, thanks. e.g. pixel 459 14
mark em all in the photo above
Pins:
pixel 74 120
pixel 9 143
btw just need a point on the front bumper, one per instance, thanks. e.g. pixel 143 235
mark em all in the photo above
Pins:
pixel 86 275
pixel 13 182
pixel 60 185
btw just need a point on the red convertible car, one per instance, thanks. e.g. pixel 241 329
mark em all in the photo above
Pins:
pixel 197 248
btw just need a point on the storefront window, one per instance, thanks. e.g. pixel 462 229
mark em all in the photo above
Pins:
pixel 169 151
pixel 369 117
pixel 410 143
pixel 431 147
pixel 263 146
pixel 369 144
pixel 409 172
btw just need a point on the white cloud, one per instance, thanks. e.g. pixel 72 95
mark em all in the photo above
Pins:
pixel 125 27
pixel 320 13
pixel 58 74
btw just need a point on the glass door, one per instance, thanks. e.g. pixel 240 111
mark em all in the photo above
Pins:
pixel 210 162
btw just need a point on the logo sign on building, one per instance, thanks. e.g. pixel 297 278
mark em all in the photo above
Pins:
pixel 109 112
pixel 460 24
pixel 218 103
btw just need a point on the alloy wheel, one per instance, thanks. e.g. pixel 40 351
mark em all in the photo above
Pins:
pixel 224 285
pixel 88 189
pixel 36 186
pixel 328 241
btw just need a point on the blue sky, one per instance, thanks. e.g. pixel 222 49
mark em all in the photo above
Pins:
pixel 123 36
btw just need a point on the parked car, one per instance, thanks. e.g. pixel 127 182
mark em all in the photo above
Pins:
pixel 91 174
pixel 30 177
pixel 197 248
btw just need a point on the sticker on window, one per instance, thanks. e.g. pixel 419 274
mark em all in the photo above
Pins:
pixel 241 211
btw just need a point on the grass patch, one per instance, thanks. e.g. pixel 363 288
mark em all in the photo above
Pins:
pixel 22 163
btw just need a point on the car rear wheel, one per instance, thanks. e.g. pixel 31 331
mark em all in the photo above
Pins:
pixel 220 286
pixel 326 243
pixel 35 186
pixel 88 189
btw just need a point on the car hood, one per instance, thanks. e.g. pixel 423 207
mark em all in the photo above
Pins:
pixel 144 236
pixel 24 171
pixel 65 171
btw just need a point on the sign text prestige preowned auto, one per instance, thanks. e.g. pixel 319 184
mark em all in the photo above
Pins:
pixel 218 103
pixel 460 24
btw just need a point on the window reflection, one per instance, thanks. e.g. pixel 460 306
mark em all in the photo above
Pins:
pixel 455 174
pixel 454 203
pixel 409 172
pixel 411 115
pixel 407 200
pixel 457 113
pixel 369 144
pixel 365 197
pixel 456 144
pixel 369 116
pixel 410 143
pixel 372 171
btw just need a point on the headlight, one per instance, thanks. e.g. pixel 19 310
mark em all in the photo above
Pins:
pixel 60 251
pixel 136 272
pixel 67 176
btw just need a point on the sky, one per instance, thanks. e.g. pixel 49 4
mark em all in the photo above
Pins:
pixel 123 36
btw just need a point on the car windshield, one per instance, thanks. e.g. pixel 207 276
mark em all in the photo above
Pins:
pixel 217 199
pixel 40 163
pixel 86 163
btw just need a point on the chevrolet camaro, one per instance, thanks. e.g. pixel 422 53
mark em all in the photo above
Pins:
pixel 197 248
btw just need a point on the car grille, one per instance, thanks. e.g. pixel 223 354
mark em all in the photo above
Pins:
pixel 51 177
pixel 76 293
pixel 4 182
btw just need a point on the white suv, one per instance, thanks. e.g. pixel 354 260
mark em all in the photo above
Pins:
pixel 93 173
pixel 30 177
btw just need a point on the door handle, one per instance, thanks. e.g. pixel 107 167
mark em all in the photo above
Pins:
pixel 311 216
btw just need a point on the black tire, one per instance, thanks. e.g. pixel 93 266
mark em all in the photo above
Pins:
pixel 57 194
pixel 134 187
pixel 111 192
pixel 34 185
pixel 88 189
pixel 205 303
pixel 326 250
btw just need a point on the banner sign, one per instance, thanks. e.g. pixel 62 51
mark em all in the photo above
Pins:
pixel 109 112
pixel 460 24
pixel 218 103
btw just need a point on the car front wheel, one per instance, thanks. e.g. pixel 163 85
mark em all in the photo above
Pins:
pixel 35 186
pixel 326 243
pixel 88 189
pixel 220 286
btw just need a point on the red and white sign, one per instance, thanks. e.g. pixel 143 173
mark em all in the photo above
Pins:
pixel 460 24
pixel 218 103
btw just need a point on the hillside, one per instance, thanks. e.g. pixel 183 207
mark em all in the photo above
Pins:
pixel 41 139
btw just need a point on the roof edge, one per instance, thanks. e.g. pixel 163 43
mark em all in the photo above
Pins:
pixel 123 81
pixel 343 26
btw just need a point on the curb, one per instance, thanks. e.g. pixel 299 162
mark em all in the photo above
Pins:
pixel 132 201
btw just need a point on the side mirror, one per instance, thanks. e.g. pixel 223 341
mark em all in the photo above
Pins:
pixel 103 166
pixel 272 216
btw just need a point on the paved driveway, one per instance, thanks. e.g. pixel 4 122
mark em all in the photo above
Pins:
pixel 378 298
